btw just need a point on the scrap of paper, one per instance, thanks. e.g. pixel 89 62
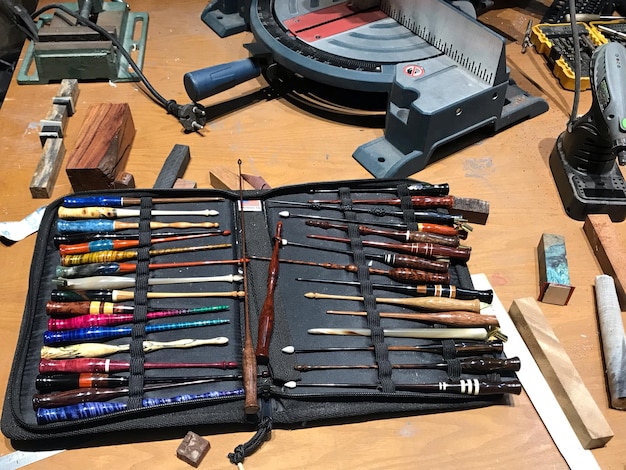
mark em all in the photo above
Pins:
pixel 18 230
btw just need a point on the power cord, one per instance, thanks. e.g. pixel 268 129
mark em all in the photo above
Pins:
pixel 192 116
pixel 577 59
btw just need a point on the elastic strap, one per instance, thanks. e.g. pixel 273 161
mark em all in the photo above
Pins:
pixel 381 351
pixel 138 333
pixel 454 369
pixel 406 205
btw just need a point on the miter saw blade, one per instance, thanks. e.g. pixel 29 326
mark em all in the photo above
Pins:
pixel 328 42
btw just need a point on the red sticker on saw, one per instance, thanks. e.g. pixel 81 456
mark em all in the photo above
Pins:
pixel 414 71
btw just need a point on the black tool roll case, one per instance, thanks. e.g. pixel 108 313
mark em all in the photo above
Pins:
pixel 73 378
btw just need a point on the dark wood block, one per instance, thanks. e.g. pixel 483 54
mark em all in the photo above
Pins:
pixel 123 180
pixel 102 147
pixel 193 449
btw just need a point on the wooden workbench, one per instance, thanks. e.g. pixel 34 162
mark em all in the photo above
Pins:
pixel 287 145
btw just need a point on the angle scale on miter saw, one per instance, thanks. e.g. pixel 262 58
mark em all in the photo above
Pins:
pixel 401 49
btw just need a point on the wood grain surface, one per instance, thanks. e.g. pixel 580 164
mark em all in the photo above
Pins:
pixel 286 145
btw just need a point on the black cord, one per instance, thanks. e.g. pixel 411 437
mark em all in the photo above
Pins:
pixel 100 30
pixel 577 59
pixel 191 116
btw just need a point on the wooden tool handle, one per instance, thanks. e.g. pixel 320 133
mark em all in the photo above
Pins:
pixel 266 317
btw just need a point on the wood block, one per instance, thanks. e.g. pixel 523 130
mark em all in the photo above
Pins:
pixel 181 183
pixel 581 410
pixel 123 180
pixel 554 283
pixel 223 178
pixel 257 182
pixel 192 449
pixel 609 250
pixel 475 211
pixel 102 147
pixel 47 170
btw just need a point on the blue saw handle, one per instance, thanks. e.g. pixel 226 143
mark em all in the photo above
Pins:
pixel 209 81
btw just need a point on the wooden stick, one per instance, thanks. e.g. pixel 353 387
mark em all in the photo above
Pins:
pixel 249 364
pixel 104 225
pixel 406 275
pixel 102 245
pixel 577 403
pixel 457 319
pixel 439 304
pixel 117 213
pixel 266 317
pixel 462 348
pixel 123 296
pixel 428 250
pixel 109 256
pixel 469 365
pixel 404 236
pixel 422 333
pixel 123 282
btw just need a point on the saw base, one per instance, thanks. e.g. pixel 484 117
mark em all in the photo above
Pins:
pixel 224 17
pixel 402 151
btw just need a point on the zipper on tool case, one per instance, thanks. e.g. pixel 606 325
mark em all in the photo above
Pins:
pixel 21 353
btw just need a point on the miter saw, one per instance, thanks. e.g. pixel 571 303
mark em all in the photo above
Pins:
pixel 444 74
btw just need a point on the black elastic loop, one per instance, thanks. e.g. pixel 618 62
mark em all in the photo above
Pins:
pixel 381 352
pixel 448 349
pixel 138 331
pixel 406 205
pixel 454 369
